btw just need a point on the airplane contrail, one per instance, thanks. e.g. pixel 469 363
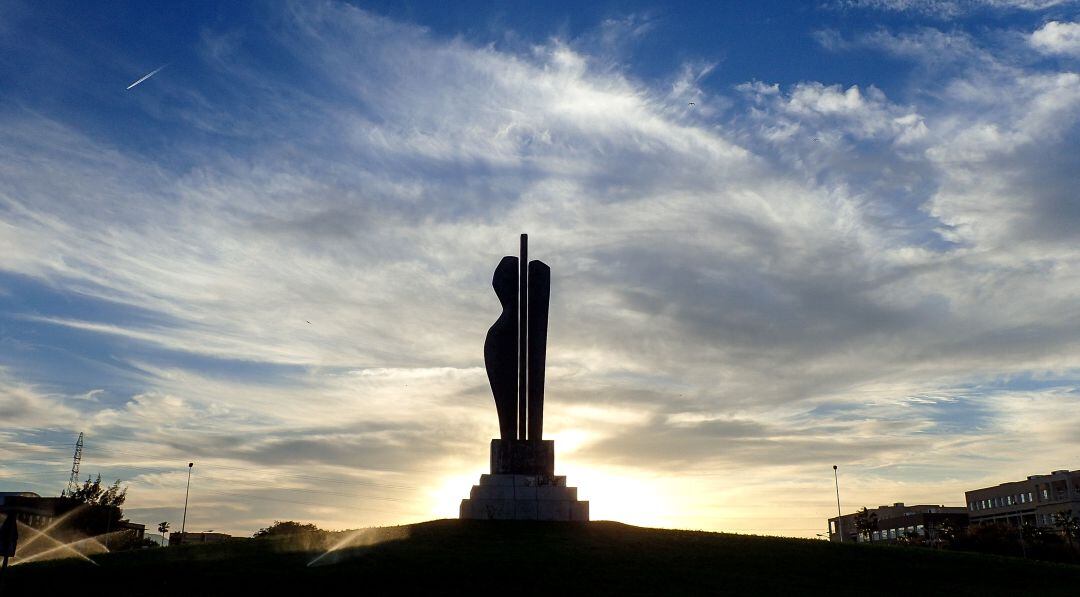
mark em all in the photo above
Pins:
pixel 145 77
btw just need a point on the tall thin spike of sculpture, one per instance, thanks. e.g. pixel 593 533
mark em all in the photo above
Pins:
pixel 523 336
pixel 73 481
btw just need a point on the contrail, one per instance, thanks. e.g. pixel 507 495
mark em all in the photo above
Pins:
pixel 145 77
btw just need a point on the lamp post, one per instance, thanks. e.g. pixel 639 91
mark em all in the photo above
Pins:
pixel 187 492
pixel 839 521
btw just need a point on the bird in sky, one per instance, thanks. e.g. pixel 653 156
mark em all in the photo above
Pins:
pixel 307 322
pixel 691 104
pixel 147 76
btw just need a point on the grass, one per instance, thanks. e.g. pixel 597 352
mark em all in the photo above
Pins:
pixel 478 557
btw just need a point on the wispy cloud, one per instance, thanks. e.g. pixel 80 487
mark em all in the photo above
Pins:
pixel 771 286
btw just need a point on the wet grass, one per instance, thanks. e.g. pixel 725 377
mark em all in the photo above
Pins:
pixel 452 557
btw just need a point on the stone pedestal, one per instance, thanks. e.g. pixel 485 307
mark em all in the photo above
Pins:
pixel 523 486
pixel 523 457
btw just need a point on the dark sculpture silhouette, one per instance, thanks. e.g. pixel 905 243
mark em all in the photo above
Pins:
pixel 522 484
pixel 500 349
pixel 516 346
pixel 539 289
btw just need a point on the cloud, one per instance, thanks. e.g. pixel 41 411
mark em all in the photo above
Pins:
pixel 1056 37
pixel 772 283
pixel 25 406
pixel 952 8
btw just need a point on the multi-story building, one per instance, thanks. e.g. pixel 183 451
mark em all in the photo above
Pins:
pixel 899 521
pixel 1033 501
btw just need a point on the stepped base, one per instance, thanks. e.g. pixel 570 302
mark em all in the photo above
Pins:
pixel 523 486
pixel 523 497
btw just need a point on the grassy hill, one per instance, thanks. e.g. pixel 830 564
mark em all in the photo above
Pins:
pixel 474 557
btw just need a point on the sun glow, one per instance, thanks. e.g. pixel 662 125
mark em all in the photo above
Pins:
pixel 445 500
pixel 621 496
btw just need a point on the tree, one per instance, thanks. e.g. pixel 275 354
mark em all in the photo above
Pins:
pixel 287 527
pixel 866 522
pixel 948 532
pixel 295 534
pixel 101 507
pixel 93 494
pixel 163 527
pixel 1069 525
pixel 996 538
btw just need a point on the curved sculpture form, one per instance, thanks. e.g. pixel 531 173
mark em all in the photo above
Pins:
pixel 539 290
pixel 500 348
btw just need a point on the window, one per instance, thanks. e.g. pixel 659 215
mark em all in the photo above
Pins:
pixel 1030 498
pixel 920 530
pixel 892 533
pixel 1045 494
pixel 877 535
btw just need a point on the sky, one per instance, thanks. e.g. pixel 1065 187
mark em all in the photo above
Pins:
pixel 783 236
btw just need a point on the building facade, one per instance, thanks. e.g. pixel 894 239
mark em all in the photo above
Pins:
pixel 30 508
pixel 1033 501
pixel 184 538
pixel 40 513
pixel 898 521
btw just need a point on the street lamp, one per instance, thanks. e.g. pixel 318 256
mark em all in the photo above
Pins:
pixel 839 521
pixel 187 492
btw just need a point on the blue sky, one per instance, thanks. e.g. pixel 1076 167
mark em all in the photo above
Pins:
pixel 856 247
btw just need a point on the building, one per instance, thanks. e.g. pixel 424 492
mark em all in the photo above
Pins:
pixel 181 538
pixel 1033 501
pixel 136 530
pixel 899 521
pixel 73 517
pixel 30 508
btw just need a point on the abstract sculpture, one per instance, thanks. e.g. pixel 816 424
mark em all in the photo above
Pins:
pixel 522 484
pixel 516 346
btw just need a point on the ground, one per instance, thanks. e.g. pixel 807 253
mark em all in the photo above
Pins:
pixel 479 557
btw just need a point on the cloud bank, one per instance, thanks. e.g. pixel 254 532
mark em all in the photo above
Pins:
pixel 797 274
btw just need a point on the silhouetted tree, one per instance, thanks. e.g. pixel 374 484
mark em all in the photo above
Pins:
pixel 101 507
pixel 288 527
pixel 1000 539
pixel 1069 525
pixel 866 522
pixel 163 527
pixel 93 494
pixel 947 532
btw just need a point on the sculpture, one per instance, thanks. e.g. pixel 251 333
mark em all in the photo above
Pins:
pixel 522 484
pixel 515 351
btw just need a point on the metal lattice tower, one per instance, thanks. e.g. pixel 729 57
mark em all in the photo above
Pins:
pixel 73 481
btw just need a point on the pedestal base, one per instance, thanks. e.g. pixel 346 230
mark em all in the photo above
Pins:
pixel 523 486
pixel 523 457
pixel 523 497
